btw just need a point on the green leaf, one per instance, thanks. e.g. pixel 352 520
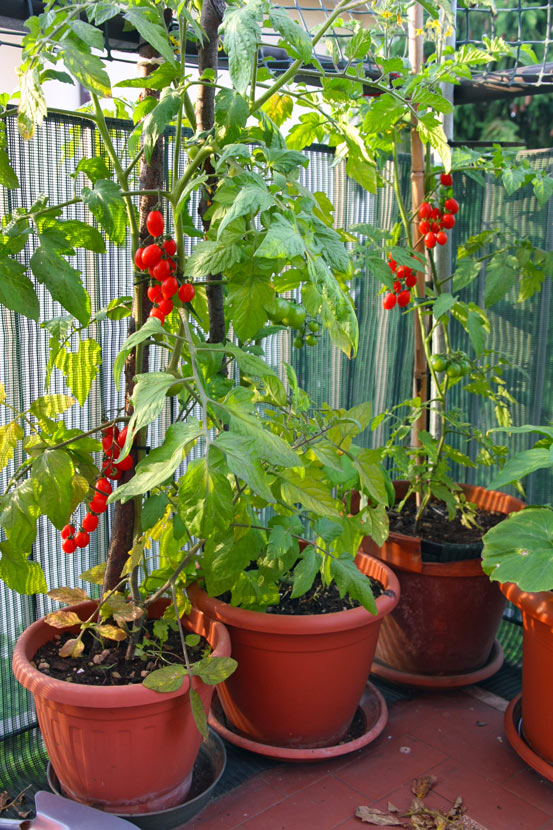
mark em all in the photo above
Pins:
pixel 310 129
pixel 168 679
pixel 160 117
pixel 60 278
pixel 295 39
pixel 442 305
pixel 205 499
pixel 214 670
pixel 384 112
pixel 477 333
pixel 8 177
pixel 303 487
pixel 513 179
pixel 245 421
pixel 337 311
pixel 249 293
pixel 520 549
pixel 248 363
pixel 231 112
pixel 20 512
pixel 543 189
pixel 251 199
pixel 95 575
pixel 52 474
pixel 10 434
pixel 521 465
pixel 161 462
pixel 81 235
pixel 100 12
pixel 305 571
pixel 148 400
pixel 50 406
pixel 281 240
pixel 80 368
pixel 16 290
pixel 431 132
pixel 351 581
pixel 467 270
pixel 90 34
pixel 148 22
pixel 153 509
pixel 106 204
pixel 198 712
pixel 95 168
pixel 87 69
pixel 241 455
pixel 162 77
pixel 19 574
pixel 371 474
pixel 279 108
pixel 501 276
pixel 241 37
pixel 210 257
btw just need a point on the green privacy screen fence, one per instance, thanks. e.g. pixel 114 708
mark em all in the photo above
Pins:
pixel 380 373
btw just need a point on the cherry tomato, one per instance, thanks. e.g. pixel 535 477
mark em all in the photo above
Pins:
pixel 410 280
pixel 397 287
pixel 389 301
pixel 107 443
pixel 122 437
pixel 82 539
pixel 404 298
pixel 296 315
pixel 103 486
pixel 67 531
pixel 155 223
pixel 425 210
pixel 424 227
pixel 169 288
pixel 172 265
pixel 138 259
pixel 392 263
pixel 98 504
pixel 162 270
pixel 439 363
pixel 125 464
pixel 151 255
pixel 90 522
pixel 166 307
pixel 446 179
pixel 154 293
pixel 112 430
pixel 448 220
pixel 69 546
pixel 453 370
pixel 170 247
pixel 156 312
pixel 298 342
pixel 314 325
pixel 435 212
pixel 434 227
pixel 186 292
pixel 400 273
pixel 441 238
pixel 430 240
pixel 451 205
pixel 311 340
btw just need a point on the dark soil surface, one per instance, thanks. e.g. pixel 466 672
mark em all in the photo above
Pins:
pixel 104 664
pixel 319 600
pixel 436 526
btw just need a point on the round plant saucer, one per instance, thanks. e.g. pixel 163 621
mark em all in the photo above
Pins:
pixel 208 770
pixel 513 728
pixel 372 711
pixel 440 681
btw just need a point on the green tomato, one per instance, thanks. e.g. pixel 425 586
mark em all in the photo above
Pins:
pixel 438 362
pixel 296 316
pixel 298 342
pixel 280 310
pixel 454 370
pixel 314 325
pixel 311 340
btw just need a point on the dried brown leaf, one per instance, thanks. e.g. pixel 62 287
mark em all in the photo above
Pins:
pixel 392 808
pixel 72 648
pixel 420 787
pixel 370 815
pixel 62 619
pixel 69 596
pixel 4 799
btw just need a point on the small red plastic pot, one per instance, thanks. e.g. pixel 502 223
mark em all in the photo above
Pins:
pixel 124 749
pixel 299 678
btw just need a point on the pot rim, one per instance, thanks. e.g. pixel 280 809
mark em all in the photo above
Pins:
pixel 537 604
pixel 305 624
pixel 101 697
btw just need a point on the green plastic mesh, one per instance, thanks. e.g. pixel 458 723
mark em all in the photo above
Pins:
pixel 380 373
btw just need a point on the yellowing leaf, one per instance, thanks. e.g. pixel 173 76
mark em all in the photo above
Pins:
pixel 95 574
pixel 2 393
pixel 68 595
pixel 72 648
pixel 111 632
pixel 10 434
pixel 62 619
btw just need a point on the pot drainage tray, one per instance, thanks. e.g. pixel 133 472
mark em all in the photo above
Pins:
pixel 372 714
pixel 208 770
pixel 440 681
pixel 513 728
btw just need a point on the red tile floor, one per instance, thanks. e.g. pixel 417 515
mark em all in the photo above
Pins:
pixel 456 736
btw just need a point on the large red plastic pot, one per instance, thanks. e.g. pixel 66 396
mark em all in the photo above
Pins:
pixel 442 631
pixel 299 678
pixel 125 749
pixel 537 670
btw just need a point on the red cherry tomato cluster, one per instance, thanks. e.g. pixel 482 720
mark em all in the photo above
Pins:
pixel 405 279
pixel 112 442
pixel 435 220
pixel 158 260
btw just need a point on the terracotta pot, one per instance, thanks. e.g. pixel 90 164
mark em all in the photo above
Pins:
pixel 442 631
pixel 299 678
pixel 125 749
pixel 537 667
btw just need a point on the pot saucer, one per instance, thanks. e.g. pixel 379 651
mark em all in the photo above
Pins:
pixel 209 766
pixel 513 728
pixel 440 681
pixel 372 707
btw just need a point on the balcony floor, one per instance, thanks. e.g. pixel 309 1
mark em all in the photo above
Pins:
pixel 456 736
